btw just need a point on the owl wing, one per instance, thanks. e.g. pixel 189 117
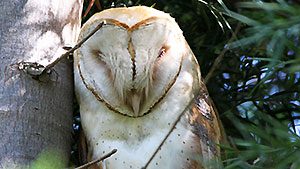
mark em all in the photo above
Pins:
pixel 192 143
pixel 204 123
pixel 84 153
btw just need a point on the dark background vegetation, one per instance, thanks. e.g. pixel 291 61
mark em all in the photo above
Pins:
pixel 248 52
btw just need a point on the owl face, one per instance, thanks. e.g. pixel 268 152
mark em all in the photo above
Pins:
pixel 133 60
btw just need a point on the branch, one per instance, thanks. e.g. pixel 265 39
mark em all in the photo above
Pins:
pixel 76 46
pixel 98 160
pixel 166 137
pixel 36 69
pixel 221 56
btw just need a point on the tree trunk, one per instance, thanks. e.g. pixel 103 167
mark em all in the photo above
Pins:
pixel 35 115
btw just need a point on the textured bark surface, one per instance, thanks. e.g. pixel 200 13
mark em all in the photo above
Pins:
pixel 35 115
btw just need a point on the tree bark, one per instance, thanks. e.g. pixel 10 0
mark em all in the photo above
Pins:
pixel 35 115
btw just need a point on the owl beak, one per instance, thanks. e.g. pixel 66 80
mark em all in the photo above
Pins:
pixel 136 101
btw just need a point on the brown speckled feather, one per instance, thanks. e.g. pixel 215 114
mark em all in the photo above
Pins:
pixel 205 124
pixel 198 144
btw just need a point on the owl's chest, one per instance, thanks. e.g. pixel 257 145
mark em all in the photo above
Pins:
pixel 136 139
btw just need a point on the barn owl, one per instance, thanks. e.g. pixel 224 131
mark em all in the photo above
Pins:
pixel 140 91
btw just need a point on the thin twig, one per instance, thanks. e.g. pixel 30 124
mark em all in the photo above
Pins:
pixel 99 5
pixel 221 56
pixel 89 8
pixel 166 137
pixel 35 69
pixel 98 160
pixel 78 45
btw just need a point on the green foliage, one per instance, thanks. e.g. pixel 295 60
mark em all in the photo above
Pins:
pixel 275 28
pixel 266 143
pixel 49 159
pixel 262 87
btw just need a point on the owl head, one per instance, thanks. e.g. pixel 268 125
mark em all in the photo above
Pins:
pixel 133 60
